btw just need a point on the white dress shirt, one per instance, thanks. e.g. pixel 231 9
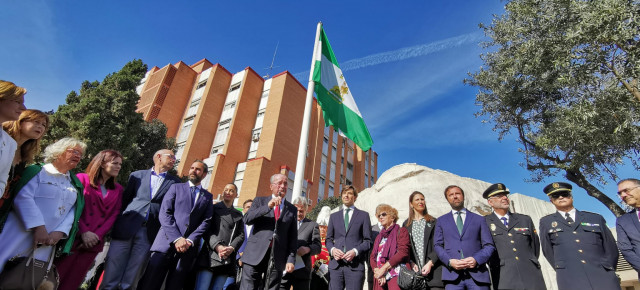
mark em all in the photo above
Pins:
pixel 572 213
pixel 463 213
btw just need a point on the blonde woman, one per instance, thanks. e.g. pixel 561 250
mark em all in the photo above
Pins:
pixel 11 106
pixel 27 132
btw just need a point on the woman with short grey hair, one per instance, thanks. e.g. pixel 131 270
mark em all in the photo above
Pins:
pixel 48 205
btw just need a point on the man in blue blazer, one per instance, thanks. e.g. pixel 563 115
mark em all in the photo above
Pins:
pixel 463 243
pixel 348 241
pixel 628 225
pixel 269 214
pixel 136 227
pixel 184 216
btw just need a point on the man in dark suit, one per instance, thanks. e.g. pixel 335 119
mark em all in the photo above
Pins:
pixel 308 244
pixel 184 216
pixel 514 264
pixel 578 244
pixel 136 227
pixel 348 241
pixel 463 243
pixel 628 225
pixel 269 214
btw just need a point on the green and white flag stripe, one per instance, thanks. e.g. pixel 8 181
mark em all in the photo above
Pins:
pixel 338 107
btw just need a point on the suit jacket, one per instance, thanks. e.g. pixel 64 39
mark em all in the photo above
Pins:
pixel 138 204
pixel 263 220
pixel 475 242
pixel 227 229
pixel 584 253
pixel 308 236
pixel 99 212
pixel 628 230
pixel 357 236
pixel 180 218
pixel 514 264
pixel 434 278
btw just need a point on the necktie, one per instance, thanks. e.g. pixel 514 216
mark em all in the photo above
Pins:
pixel 346 218
pixel 276 212
pixel 459 222
pixel 568 217
pixel 504 221
pixel 193 195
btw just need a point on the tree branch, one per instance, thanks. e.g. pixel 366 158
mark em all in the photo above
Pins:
pixel 578 178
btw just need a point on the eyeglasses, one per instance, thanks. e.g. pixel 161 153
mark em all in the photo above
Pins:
pixel 171 156
pixel 559 194
pixel 74 152
pixel 381 215
pixel 499 196
pixel 627 190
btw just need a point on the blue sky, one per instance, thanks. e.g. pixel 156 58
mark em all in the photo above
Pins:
pixel 404 62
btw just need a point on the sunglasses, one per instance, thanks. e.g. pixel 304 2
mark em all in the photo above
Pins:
pixel 381 215
pixel 557 195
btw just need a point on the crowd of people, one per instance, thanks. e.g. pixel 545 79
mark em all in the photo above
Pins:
pixel 173 234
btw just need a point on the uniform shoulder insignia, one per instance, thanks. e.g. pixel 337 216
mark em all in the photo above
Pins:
pixel 547 216
pixel 590 213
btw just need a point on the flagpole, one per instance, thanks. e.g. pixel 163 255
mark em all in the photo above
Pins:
pixel 306 121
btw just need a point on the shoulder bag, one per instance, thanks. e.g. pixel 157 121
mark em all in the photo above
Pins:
pixel 30 273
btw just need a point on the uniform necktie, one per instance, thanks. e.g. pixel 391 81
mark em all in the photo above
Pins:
pixel 193 195
pixel 504 221
pixel 459 222
pixel 346 218
pixel 568 217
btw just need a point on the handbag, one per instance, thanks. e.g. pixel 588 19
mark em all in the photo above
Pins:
pixel 30 273
pixel 410 280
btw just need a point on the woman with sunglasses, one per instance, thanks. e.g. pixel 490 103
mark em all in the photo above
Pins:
pixel 420 226
pixel 390 249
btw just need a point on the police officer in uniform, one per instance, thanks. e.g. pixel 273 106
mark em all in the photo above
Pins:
pixel 578 244
pixel 514 264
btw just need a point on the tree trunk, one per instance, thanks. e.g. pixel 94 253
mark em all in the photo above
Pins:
pixel 578 178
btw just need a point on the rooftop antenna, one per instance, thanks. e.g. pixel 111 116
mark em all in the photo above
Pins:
pixel 270 68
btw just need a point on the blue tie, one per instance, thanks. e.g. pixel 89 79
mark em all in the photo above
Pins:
pixel 193 195
pixel 504 221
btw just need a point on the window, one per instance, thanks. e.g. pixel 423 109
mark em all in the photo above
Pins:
pixel 321 187
pixel 221 134
pixel 326 132
pixel 332 174
pixel 234 87
pixel 366 179
pixel 201 84
pixel 323 166
pixel 330 191
pixel 334 153
pixel 325 146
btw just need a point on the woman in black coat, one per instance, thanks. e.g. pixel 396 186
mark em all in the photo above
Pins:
pixel 420 225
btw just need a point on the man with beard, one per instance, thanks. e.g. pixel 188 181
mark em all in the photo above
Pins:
pixel 628 225
pixel 577 244
pixel 269 214
pixel 463 243
pixel 184 216
pixel 514 264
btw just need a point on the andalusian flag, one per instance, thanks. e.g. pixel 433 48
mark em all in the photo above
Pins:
pixel 338 107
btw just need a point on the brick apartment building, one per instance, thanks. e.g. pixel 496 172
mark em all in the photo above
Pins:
pixel 246 128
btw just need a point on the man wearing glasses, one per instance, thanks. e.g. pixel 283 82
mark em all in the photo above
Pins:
pixel 136 227
pixel 514 264
pixel 628 225
pixel 577 244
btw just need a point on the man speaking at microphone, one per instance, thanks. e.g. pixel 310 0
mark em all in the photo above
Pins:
pixel 268 214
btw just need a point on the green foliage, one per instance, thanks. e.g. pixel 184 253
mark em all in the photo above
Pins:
pixel 331 202
pixel 563 75
pixel 103 115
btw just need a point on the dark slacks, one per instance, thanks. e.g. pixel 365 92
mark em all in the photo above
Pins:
pixel 465 281
pixel 346 278
pixel 294 279
pixel 252 276
pixel 175 267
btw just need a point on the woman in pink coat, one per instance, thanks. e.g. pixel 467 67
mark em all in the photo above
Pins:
pixel 103 196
